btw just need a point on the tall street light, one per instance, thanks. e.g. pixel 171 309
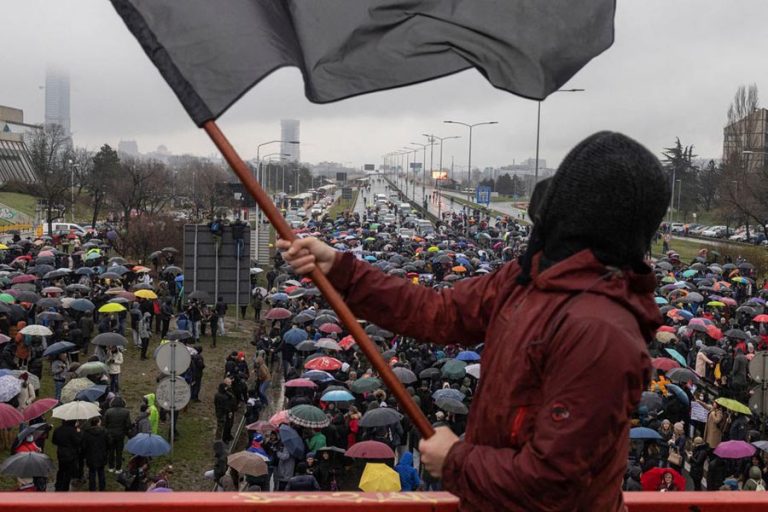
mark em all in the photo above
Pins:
pixel 408 167
pixel 538 131
pixel 423 172
pixel 440 170
pixel 431 139
pixel 469 159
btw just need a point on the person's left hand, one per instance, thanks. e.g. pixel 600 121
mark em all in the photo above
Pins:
pixel 435 449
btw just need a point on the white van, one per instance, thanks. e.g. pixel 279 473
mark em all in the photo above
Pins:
pixel 63 228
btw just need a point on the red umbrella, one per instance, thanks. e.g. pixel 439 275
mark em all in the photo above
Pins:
pixel 323 363
pixel 39 407
pixel 300 383
pixel 9 416
pixel 261 426
pixel 330 328
pixel 370 450
pixel 666 328
pixel 278 314
pixel 662 363
pixel 761 319
pixel 347 342
pixel 24 278
pixel 279 419
pixel 651 479
pixel 714 333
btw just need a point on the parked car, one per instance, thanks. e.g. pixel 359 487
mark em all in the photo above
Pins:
pixel 63 228
pixel 677 228
pixel 715 231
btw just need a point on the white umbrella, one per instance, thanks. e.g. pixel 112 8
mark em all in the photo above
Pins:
pixel 473 370
pixel 328 344
pixel 36 330
pixel 76 410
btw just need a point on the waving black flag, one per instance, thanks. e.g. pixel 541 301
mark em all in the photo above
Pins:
pixel 211 52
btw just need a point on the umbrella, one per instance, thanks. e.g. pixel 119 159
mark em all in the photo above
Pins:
pixel 10 386
pixel 317 376
pixel 145 294
pixel 665 337
pixel 453 369
pixel 677 356
pixel 329 328
pixel 49 316
pixel 679 394
pixel 451 405
pixel 713 351
pixel 473 370
pixel 92 394
pixel 77 410
pixel 308 416
pixel 112 308
pixel 737 334
pixel 683 375
pixel 291 440
pixel 261 426
pixel 36 330
pixel 300 383
pixel 664 363
pixel 468 356
pixel 429 373
pixel 59 348
pixel 762 445
pixel 370 450
pixel 652 479
pixel 324 363
pixel 651 400
pixel 83 305
pixel 365 384
pixel 379 477
pixel 39 407
pixel 734 450
pixel 644 433
pixel 380 417
pixel 147 445
pixel 9 416
pixel 328 344
pixel 337 395
pixel 278 314
pixel 734 405
pixel 73 387
pixel 248 463
pixel 306 346
pixel 109 339
pixel 199 295
pixel 27 465
pixel 451 393
pixel 279 418
pixel 294 336
pixel 173 270
pixel 91 368
pixel 404 375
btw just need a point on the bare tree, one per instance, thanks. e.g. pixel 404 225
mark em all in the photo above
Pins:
pixel 51 152
pixel 98 182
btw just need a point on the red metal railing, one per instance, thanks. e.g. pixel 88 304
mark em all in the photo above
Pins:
pixel 346 501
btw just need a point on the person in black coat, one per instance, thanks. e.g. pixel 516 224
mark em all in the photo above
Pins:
pixel 302 481
pixel 67 440
pixel 95 450
pixel 117 422
pixel 225 405
pixel 697 460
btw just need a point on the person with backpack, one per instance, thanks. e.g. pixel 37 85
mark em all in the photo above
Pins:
pixel 238 235
pixel 95 450
pixel 755 481
pixel 117 422
pixel 216 227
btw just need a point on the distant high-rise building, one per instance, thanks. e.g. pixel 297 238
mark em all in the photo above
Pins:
pixel 57 99
pixel 289 132
pixel 128 147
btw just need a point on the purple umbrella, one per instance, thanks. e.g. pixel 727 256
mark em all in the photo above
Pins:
pixel 735 450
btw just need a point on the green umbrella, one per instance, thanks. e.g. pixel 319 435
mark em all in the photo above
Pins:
pixel 668 279
pixel 308 416
pixel 454 369
pixel 677 356
pixel 92 368
pixel 7 298
pixel 690 273
pixel 73 387
pixel 365 384
pixel 734 405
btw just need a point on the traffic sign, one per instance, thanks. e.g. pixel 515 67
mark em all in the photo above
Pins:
pixel 483 195
pixel 172 357
pixel 758 366
pixel 173 394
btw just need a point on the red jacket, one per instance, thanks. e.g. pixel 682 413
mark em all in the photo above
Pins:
pixel 564 365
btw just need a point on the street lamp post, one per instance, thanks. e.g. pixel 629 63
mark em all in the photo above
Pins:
pixel 72 167
pixel 469 157
pixel 423 173
pixel 408 167
pixel 538 131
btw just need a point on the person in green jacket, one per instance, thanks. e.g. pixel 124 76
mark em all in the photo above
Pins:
pixel 154 414
pixel 317 441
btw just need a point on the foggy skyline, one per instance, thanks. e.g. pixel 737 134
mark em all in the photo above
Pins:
pixel 672 72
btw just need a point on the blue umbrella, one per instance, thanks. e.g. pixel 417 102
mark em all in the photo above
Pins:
pixel 309 312
pixel 644 433
pixel 685 314
pixel 337 395
pixel 468 356
pixel 292 441
pixel 679 393
pixel 179 278
pixel 91 394
pixel 454 394
pixel 370 258
pixel 148 445
pixel 661 300
pixel 82 305
pixel 278 297
pixel 294 336
pixel 317 376
pixel 59 348
pixel 677 356
pixel 84 271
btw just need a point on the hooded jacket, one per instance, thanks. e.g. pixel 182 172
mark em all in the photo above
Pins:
pixel 565 357
pixel 154 414
pixel 117 419
pixel 409 477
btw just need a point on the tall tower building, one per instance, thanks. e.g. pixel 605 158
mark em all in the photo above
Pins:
pixel 57 99
pixel 289 132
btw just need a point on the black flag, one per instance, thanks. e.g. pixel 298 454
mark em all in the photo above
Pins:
pixel 211 52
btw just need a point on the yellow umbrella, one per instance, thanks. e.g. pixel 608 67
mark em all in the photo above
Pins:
pixel 145 294
pixel 379 477
pixel 3 247
pixel 112 307
pixel 715 304
pixel 433 249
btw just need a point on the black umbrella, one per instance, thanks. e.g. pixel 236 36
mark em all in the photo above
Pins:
pixel 80 288
pixel 51 316
pixel 179 335
pixel 55 274
pixel 199 295
pixel 405 375
pixel 172 250
pixel 28 297
pixel 713 351
pixel 110 275
pixel 651 400
pixel 82 305
pixel 737 334
pixel 429 373
pixel 683 375
pixel 452 405
pixel 27 465
pixel 59 348
pixel 380 417
pixel 109 339
pixel 48 302
pixel 84 271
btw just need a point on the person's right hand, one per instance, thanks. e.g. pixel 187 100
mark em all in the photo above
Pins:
pixel 306 254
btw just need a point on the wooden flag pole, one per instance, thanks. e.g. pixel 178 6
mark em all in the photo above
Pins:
pixel 331 295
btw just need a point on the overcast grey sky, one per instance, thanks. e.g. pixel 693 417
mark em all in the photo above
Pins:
pixel 672 72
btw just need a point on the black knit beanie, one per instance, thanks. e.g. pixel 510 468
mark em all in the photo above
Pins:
pixel 609 195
